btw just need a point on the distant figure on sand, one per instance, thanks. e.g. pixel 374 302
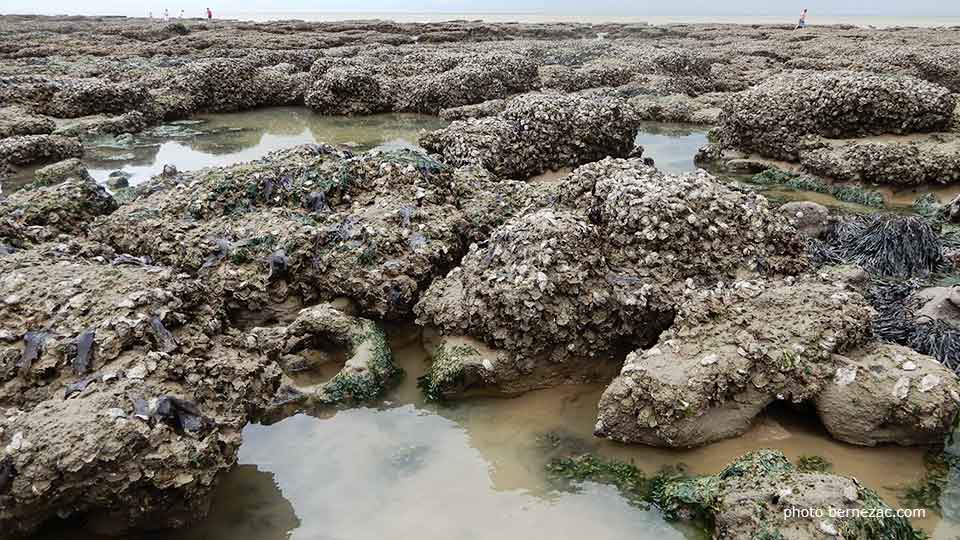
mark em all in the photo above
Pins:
pixel 803 19
pixel 166 14
pixel 209 15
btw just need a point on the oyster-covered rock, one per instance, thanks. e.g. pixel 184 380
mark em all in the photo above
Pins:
pixel 776 117
pixel 893 394
pixel 604 267
pixel 731 502
pixel 730 354
pixel 105 420
pixel 536 132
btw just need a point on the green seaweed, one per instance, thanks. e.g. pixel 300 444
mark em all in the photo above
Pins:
pixel 813 464
pixel 858 195
pixel 928 491
pixel 626 477
pixel 797 182
pixel 369 384
pixel 927 206
pixel 446 370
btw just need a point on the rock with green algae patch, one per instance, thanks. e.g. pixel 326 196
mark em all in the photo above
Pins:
pixel 367 372
pixel 376 227
pixel 762 495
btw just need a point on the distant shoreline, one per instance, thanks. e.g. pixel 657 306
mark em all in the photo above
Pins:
pixel 541 17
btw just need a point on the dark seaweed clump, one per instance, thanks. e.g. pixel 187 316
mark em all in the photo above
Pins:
pixel 896 322
pixel 883 245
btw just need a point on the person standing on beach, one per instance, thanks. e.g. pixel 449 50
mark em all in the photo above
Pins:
pixel 209 15
pixel 166 14
pixel 803 19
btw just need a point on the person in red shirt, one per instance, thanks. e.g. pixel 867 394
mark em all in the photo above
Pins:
pixel 209 14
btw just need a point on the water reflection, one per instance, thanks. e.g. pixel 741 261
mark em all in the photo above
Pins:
pixel 224 139
pixel 672 146
pixel 218 140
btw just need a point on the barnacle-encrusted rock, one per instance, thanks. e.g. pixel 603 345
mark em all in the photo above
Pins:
pixel 74 98
pixel 933 160
pixel 677 108
pixel 730 353
pixel 369 364
pixel 60 171
pixel 123 403
pixel 348 90
pixel 762 495
pixel 674 227
pixel 773 118
pixel 376 227
pixel 27 149
pixel 477 110
pixel 67 207
pixel 475 78
pixel 19 121
pixel 536 132
pixel 224 85
pixel 560 289
pixel 128 122
pixel 888 393
pixel 540 290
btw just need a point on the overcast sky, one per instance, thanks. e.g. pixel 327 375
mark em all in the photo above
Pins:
pixel 619 7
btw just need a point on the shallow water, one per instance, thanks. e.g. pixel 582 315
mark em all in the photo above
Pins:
pixel 217 140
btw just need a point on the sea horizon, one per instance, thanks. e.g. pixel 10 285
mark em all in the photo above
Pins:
pixel 878 21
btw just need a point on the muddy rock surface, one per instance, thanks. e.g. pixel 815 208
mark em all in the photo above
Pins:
pixel 20 121
pixel 928 160
pixel 889 393
pixel 728 356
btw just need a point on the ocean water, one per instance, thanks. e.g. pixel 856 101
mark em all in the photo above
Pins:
pixel 813 18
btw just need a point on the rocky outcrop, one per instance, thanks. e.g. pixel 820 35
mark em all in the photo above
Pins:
pixel 121 403
pixel 810 218
pixel 776 118
pixel 932 160
pixel 762 495
pixel 678 108
pixel 27 149
pixel 424 82
pixel 19 121
pixel 889 394
pixel 315 221
pixel 366 372
pixel 65 208
pixel 537 132
pixel 559 289
pixel 728 356
pixel 60 171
